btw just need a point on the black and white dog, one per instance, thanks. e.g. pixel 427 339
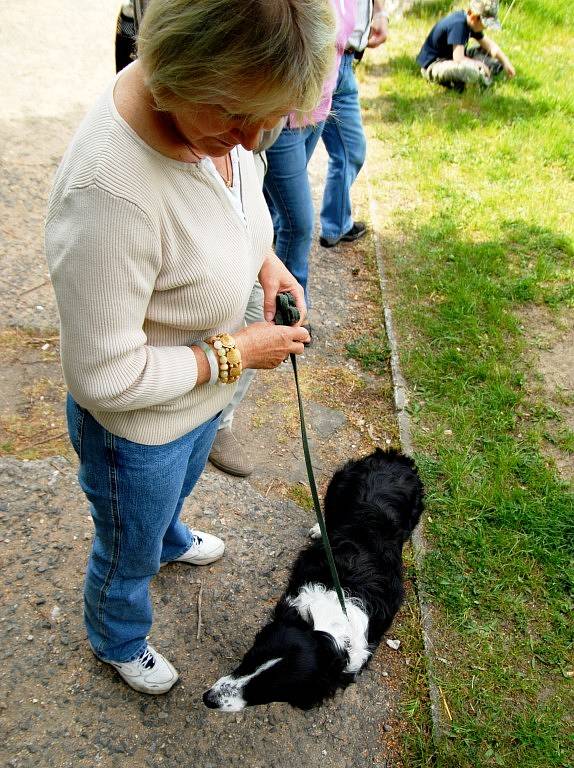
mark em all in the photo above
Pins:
pixel 310 648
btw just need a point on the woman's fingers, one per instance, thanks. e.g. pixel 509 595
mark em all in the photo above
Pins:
pixel 299 296
pixel 302 334
pixel 266 345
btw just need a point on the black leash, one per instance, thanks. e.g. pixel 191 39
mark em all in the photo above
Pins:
pixel 288 314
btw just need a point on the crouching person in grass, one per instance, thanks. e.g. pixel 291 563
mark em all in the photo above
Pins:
pixel 446 58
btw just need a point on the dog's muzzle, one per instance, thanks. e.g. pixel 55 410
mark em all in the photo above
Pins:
pixel 211 700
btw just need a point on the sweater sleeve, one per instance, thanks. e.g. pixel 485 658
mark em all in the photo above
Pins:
pixel 104 256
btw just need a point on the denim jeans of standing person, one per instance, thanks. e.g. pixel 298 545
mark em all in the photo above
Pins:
pixel 345 142
pixel 288 194
pixel 136 493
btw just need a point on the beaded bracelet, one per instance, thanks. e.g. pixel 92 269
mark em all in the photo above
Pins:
pixel 229 357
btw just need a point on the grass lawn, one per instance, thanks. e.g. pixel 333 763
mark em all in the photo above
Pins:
pixel 476 197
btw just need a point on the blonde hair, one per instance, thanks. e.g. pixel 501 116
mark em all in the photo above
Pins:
pixel 262 56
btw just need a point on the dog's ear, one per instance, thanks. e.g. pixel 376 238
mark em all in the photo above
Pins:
pixel 327 662
pixel 332 659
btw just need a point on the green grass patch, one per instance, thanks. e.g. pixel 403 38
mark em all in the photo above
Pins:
pixel 371 351
pixel 301 496
pixel 482 228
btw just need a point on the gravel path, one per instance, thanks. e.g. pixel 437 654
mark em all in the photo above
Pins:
pixel 58 705
pixel 61 707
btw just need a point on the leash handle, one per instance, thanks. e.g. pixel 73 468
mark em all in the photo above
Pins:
pixel 287 311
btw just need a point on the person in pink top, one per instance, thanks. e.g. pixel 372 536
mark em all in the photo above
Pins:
pixel 286 186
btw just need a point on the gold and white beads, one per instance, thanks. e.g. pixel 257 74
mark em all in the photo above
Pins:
pixel 228 357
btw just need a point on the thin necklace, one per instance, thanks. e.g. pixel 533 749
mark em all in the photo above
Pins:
pixel 226 177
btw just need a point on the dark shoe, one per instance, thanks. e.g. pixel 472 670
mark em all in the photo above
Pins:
pixel 228 455
pixel 357 231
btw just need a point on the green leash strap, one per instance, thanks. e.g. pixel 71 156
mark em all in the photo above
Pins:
pixel 287 311
pixel 315 495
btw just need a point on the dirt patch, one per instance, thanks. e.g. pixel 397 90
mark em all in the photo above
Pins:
pixel 551 336
pixel 60 707
pixel 32 393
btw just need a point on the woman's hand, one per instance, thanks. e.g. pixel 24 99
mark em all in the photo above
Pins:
pixel 275 278
pixel 266 345
pixel 379 30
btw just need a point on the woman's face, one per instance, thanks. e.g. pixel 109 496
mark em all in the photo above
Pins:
pixel 213 130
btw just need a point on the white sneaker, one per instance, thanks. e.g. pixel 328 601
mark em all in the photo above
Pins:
pixel 149 673
pixel 206 548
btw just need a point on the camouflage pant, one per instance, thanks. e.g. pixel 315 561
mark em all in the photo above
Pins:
pixel 452 73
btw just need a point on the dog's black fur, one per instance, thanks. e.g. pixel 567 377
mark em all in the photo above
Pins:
pixel 371 507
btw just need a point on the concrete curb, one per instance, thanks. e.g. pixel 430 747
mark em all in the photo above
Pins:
pixel 400 393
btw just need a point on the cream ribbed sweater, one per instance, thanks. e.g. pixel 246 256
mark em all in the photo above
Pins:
pixel 147 256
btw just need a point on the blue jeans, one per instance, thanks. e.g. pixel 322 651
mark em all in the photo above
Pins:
pixel 345 142
pixel 288 194
pixel 253 314
pixel 136 493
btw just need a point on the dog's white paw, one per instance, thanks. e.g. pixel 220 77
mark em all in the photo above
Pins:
pixel 315 532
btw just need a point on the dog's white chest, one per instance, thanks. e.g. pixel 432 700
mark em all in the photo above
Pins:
pixel 321 607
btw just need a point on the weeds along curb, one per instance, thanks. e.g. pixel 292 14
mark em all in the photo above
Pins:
pixel 440 726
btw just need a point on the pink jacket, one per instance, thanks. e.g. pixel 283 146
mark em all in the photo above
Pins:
pixel 345 13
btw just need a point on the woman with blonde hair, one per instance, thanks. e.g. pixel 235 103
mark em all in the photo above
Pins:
pixel 156 232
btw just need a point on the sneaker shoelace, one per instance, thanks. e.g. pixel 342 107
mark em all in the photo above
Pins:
pixel 146 659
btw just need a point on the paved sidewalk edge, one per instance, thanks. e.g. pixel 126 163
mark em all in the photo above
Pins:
pixel 420 547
